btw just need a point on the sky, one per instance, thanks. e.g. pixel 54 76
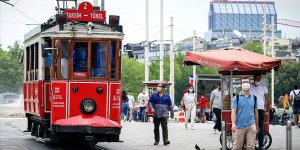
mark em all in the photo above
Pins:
pixel 189 15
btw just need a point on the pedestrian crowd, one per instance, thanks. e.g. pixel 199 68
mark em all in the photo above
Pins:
pixel 249 108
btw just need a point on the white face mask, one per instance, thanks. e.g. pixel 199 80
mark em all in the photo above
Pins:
pixel 257 83
pixel 246 86
pixel 158 89
pixel 191 90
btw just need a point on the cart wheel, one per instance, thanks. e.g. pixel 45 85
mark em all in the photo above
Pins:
pixel 229 140
pixel 267 141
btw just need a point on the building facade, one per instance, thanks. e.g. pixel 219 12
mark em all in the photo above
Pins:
pixel 246 16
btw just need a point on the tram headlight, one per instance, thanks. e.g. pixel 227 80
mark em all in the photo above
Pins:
pixel 88 106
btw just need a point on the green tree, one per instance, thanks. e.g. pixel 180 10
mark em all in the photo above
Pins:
pixel 286 77
pixel 132 75
pixel 254 46
pixel 181 76
pixel 11 73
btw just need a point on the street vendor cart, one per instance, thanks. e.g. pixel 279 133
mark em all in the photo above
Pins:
pixel 233 63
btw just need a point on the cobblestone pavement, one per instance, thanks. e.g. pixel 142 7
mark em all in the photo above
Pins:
pixel 139 136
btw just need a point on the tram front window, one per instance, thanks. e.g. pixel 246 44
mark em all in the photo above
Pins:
pixel 80 59
pixel 98 57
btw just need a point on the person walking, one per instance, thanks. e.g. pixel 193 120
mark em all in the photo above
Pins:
pixel 124 105
pixel 261 92
pixel 203 103
pixel 143 100
pixel 190 105
pixel 216 106
pixel 130 104
pixel 272 113
pixel 244 117
pixel 160 103
pixel 295 98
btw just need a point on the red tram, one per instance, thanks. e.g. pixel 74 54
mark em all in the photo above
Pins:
pixel 72 76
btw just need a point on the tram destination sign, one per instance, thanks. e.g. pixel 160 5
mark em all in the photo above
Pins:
pixel 85 12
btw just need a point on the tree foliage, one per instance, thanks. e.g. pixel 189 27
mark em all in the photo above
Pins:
pixel 132 75
pixel 286 77
pixel 254 46
pixel 181 74
pixel 11 73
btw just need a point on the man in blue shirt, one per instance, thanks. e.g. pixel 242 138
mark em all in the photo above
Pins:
pixel 244 117
pixel 160 103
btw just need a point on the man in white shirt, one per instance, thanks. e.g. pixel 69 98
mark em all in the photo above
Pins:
pixel 143 100
pixel 296 105
pixel 130 104
pixel 216 106
pixel 261 92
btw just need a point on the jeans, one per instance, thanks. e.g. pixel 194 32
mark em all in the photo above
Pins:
pixel 202 114
pixel 124 109
pixel 217 112
pixel 261 121
pixel 164 125
pixel 142 114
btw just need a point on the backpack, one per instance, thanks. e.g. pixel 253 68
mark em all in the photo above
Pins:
pixel 237 102
pixel 296 99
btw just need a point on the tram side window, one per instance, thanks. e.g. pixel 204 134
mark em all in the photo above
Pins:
pixel 64 58
pixel 80 55
pixel 98 57
pixel 32 62
pixel 113 60
pixel 36 62
pixel 27 63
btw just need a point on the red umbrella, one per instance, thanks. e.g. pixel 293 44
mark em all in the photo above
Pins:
pixel 232 59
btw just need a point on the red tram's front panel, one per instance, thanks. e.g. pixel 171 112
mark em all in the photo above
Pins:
pixel 67 97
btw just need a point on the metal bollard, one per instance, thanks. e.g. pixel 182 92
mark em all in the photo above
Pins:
pixel 289 136
pixel 223 135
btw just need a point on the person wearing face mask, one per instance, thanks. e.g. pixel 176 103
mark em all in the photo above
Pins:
pixel 143 99
pixel 244 117
pixel 261 92
pixel 160 103
pixel 203 102
pixel 216 106
pixel 190 102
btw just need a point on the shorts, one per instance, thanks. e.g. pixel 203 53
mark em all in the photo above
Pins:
pixel 296 111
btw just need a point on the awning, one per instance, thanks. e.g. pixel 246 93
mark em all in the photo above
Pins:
pixel 232 59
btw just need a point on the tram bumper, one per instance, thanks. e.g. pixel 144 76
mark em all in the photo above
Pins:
pixel 87 124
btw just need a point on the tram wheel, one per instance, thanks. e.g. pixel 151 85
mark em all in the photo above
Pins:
pixel 267 141
pixel 229 140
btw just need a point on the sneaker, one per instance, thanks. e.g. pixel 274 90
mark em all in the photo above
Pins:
pixel 186 127
pixel 215 131
pixel 156 142
pixel 167 142
pixel 192 127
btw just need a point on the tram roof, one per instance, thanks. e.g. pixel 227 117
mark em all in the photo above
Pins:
pixel 80 28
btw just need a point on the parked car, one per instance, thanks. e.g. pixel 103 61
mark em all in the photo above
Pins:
pixel 8 98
